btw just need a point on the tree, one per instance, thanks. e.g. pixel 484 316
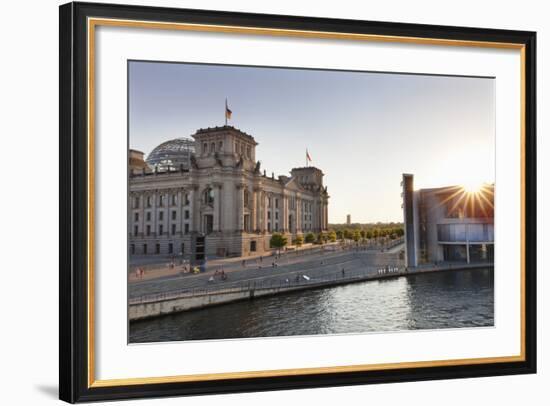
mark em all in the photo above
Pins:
pixel 369 234
pixel 278 240
pixel 310 237
pixel 299 240
pixel 332 236
pixel 356 235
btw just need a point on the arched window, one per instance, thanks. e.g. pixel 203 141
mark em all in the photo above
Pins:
pixel 212 147
pixel 208 196
pixel 204 148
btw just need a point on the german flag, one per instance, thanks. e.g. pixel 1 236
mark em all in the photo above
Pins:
pixel 227 111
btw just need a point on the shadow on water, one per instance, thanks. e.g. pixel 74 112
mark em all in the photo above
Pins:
pixel 451 299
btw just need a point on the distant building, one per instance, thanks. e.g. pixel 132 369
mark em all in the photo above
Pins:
pixel 214 187
pixel 348 219
pixel 447 224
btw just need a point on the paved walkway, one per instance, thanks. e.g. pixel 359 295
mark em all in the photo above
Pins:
pixel 313 265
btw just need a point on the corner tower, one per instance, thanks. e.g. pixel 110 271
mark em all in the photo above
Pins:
pixel 225 146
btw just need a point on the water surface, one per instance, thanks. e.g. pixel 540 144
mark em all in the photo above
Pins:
pixel 450 299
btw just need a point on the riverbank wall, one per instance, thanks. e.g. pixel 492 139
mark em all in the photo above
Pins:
pixel 174 302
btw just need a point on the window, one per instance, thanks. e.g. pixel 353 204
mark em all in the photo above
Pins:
pixel 174 214
pixel 204 148
pixel 186 199
pixel 236 147
pixel 276 226
pixel 148 201
pixel 208 196
pixel 148 216
pixel 268 227
pixel 161 215
pixel 133 249
pixel 136 216
pixel 170 248
pixel 186 214
pixel 144 248
pixel 148 230
pixel 136 202
pixel 220 146
pixel 269 202
pixel 208 223
pixel 276 215
pixel 161 200
pixel 161 229
pixel 174 200
pixel 269 215
pixel 242 149
pixel 248 155
pixel 246 198
pixel 186 228
pixel 135 231
pixel 173 229
pixel 157 248
pixel 212 147
pixel 182 250
pixel 276 203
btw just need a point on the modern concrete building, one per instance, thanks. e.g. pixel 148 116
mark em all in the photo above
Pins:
pixel 447 224
pixel 217 189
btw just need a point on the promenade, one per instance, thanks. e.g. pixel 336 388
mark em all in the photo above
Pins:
pixel 320 262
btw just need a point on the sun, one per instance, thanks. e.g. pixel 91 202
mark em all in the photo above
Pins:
pixel 473 186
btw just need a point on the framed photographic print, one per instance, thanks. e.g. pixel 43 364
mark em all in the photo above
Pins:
pixel 257 202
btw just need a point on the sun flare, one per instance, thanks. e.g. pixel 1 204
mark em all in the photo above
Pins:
pixel 473 186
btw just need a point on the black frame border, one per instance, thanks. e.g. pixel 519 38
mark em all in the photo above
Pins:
pixel 73 244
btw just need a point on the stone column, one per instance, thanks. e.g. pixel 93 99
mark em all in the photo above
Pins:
pixel 154 213
pixel 298 220
pixel 192 214
pixel 240 207
pixel 141 214
pixel 265 207
pixel 255 210
pixel 217 206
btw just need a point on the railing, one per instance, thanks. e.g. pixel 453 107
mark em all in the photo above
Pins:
pixel 296 280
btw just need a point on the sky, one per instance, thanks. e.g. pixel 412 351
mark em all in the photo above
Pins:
pixel 362 129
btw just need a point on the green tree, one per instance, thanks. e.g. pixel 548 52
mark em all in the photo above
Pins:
pixel 356 235
pixel 310 237
pixel 369 234
pixel 299 240
pixel 332 236
pixel 278 240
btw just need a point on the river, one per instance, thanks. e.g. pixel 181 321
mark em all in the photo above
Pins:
pixel 449 299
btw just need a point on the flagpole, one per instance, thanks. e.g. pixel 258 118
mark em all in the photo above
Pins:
pixel 225 112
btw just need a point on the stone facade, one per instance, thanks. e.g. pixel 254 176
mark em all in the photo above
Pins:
pixel 224 196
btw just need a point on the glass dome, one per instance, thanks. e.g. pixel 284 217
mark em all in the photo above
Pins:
pixel 171 155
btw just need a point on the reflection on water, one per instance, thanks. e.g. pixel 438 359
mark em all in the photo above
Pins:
pixel 430 301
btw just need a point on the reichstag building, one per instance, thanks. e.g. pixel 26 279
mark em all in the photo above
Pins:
pixel 212 186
